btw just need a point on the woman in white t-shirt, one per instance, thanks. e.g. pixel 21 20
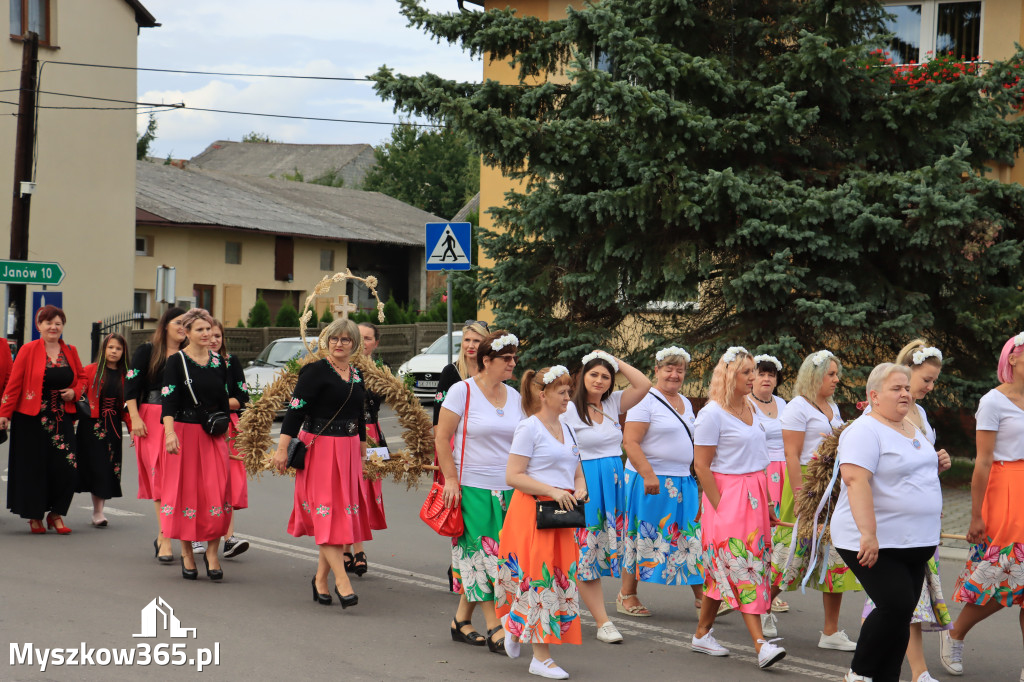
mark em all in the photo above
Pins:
pixel 594 416
pixel 535 594
pixel 887 521
pixel 730 458
pixel 991 579
pixel 808 418
pixel 475 477
pixel 661 535
pixel 925 364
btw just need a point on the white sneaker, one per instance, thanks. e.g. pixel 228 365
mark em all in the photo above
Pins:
pixel 512 645
pixel 770 625
pixel 838 641
pixel 769 654
pixel 198 547
pixel 951 653
pixel 547 669
pixel 708 645
pixel 1022 675
pixel 854 677
pixel 609 634
pixel 925 677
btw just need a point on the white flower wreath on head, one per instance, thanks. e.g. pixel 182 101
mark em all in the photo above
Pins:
pixel 1018 340
pixel 820 357
pixel 607 357
pixel 671 351
pixel 758 359
pixel 920 356
pixel 729 356
pixel 502 341
pixel 554 373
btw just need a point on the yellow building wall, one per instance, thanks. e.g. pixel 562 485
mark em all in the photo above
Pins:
pixel 83 210
pixel 198 256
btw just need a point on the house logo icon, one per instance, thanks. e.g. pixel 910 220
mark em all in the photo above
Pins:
pixel 158 616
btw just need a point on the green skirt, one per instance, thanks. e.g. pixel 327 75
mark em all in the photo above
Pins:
pixel 838 576
pixel 475 552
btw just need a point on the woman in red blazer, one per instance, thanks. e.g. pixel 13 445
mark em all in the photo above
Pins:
pixel 46 380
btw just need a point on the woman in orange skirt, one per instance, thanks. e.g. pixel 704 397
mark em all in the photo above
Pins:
pixel 993 577
pixel 535 594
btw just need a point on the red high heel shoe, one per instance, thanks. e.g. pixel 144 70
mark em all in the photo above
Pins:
pixel 51 522
pixel 36 530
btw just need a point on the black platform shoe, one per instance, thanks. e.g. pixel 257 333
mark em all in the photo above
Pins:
pixel 212 573
pixel 318 597
pixel 347 601
pixel 188 573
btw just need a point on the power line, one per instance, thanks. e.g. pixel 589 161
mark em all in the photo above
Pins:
pixel 212 73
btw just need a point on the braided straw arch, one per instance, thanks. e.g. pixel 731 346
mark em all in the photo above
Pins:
pixel 257 446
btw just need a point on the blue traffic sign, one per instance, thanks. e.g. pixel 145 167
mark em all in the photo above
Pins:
pixel 40 299
pixel 448 246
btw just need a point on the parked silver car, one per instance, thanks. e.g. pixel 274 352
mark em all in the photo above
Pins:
pixel 261 372
pixel 426 367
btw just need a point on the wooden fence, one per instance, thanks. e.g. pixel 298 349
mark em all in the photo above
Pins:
pixel 398 342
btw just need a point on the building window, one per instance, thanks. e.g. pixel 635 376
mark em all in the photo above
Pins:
pixel 602 60
pixel 203 294
pixel 31 16
pixel 923 29
pixel 284 257
pixel 327 260
pixel 233 253
pixel 141 302
pixel 143 245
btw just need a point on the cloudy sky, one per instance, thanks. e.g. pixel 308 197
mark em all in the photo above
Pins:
pixel 349 38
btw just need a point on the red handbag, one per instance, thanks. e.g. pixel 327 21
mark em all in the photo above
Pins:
pixel 446 521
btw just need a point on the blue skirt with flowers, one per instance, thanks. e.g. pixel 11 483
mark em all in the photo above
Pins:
pixel 601 541
pixel 662 543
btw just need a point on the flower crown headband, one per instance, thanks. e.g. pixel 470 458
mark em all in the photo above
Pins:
pixel 730 355
pixel 607 357
pixel 670 351
pixel 920 356
pixel 758 359
pixel 818 358
pixel 1018 340
pixel 554 373
pixel 502 341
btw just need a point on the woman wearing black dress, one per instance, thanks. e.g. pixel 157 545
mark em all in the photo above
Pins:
pixel 143 383
pixel 195 488
pixel 328 406
pixel 238 392
pixel 46 380
pixel 99 432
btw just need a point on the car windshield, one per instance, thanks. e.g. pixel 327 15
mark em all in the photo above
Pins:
pixel 440 347
pixel 280 352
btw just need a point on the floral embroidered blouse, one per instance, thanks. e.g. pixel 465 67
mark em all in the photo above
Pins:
pixel 319 393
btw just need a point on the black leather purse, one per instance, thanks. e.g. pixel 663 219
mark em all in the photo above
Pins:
pixel 297 449
pixel 214 423
pixel 551 515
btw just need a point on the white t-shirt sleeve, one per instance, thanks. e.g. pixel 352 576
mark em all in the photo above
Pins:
pixel 989 413
pixel 615 402
pixel 859 445
pixel 708 427
pixel 455 400
pixel 794 415
pixel 641 412
pixel 524 441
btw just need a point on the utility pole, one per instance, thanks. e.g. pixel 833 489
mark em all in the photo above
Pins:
pixel 21 203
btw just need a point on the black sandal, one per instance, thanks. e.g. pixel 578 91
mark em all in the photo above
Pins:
pixel 360 565
pixel 495 647
pixel 472 638
pixel 349 562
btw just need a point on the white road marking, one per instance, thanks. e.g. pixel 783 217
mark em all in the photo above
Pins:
pixel 114 511
pixel 654 633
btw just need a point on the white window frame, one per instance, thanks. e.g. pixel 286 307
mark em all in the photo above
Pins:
pixel 228 262
pixel 930 24
pixel 149 298
pixel 148 241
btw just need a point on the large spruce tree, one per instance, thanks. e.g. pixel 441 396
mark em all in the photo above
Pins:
pixel 715 172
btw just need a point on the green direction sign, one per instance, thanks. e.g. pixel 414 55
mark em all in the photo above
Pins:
pixel 30 272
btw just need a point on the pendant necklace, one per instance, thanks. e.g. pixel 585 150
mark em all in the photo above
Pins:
pixel 497 410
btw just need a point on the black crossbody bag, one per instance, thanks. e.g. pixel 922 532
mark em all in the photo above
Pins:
pixel 551 515
pixel 214 423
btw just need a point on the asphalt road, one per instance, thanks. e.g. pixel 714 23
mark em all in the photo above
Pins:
pixel 88 590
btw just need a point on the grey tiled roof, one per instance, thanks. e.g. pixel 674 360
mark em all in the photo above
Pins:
pixel 276 159
pixel 278 206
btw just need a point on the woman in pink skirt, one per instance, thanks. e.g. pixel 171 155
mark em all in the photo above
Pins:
pixel 730 458
pixel 142 396
pixel 195 488
pixel 328 406
pixel 238 396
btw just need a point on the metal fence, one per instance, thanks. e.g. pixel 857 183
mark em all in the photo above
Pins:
pixel 398 342
pixel 120 323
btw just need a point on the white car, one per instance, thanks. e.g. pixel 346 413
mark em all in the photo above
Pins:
pixel 262 371
pixel 427 366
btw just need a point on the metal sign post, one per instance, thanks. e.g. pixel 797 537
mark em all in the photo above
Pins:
pixel 448 248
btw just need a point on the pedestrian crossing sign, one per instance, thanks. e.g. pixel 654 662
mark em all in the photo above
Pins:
pixel 448 246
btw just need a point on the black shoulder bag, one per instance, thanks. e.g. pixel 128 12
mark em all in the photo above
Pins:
pixel 213 423
pixel 551 515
